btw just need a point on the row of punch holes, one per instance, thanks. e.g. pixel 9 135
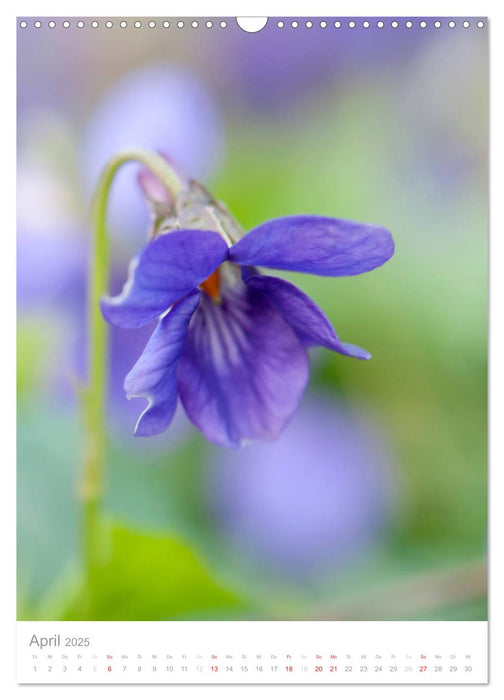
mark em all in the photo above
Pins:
pixel 280 24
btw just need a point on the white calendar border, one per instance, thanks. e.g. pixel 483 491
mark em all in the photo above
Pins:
pixel 7 282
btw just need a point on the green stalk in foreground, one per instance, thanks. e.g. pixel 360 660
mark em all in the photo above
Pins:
pixel 94 396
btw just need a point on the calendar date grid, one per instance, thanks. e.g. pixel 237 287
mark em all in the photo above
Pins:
pixel 251 663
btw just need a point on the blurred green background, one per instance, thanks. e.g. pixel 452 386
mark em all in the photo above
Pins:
pixel 373 503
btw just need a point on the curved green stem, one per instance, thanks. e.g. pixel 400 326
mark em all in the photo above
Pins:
pixel 94 397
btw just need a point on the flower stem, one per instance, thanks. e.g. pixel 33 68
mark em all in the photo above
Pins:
pixel 94 396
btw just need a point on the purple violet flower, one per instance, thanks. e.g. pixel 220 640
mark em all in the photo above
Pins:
pixel 231 342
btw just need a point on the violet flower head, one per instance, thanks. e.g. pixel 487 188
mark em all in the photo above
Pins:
pixel 232 342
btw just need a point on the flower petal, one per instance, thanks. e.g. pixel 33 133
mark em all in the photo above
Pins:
pixel 305 317
pixel 167 269
pixel 315 244
pixel 154 375
pixel 243 370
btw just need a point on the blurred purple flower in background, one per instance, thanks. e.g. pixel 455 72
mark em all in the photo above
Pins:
pixel 50 267
pixel 321 496
pixel 51 238
pixel 159 108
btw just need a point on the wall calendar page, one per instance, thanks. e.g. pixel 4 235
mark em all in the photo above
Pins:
pixel 252 350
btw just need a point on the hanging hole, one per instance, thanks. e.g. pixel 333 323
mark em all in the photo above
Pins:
pixel 251 24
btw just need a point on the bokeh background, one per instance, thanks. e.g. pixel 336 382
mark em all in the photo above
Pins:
pixel 372 504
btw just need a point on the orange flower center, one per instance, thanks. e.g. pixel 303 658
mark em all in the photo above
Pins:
pixel 212 285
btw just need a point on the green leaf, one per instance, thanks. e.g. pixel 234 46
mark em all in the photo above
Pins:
pixel 151 576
